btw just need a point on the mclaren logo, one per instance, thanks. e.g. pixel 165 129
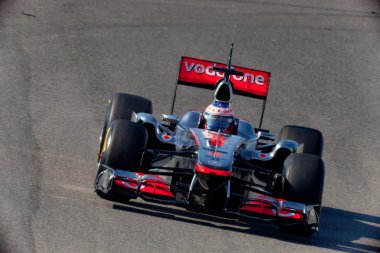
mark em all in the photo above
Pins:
pixel 201 69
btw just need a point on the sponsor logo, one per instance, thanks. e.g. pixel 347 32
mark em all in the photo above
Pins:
pixel 201 69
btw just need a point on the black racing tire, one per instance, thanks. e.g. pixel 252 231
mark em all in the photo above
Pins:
pixel 311 139
pixel 121 106
pixel 304 180
pixel 126 141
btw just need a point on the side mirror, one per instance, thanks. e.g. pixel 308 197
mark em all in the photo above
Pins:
pixel 266 136
pixel 171 118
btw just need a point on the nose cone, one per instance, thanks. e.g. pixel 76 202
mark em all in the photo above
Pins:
pixel 223 92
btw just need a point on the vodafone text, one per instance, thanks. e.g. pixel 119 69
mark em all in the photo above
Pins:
pixel 200 69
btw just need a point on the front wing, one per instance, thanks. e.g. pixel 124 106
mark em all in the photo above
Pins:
pixel 154 187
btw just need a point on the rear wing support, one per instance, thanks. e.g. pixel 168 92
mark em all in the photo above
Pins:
pixel 200 74
pixel 262 112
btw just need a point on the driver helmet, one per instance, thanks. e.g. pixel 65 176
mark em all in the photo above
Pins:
pixel 219 116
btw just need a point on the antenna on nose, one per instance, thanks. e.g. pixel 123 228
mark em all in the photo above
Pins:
pixel 223 91
pixel 229 70
pixel 230 55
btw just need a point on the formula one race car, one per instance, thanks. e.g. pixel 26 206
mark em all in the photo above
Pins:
pixel 212 160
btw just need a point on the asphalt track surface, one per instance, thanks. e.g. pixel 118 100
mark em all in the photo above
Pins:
pixel 61 60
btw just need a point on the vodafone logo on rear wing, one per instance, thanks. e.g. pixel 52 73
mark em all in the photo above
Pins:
pixel 199 73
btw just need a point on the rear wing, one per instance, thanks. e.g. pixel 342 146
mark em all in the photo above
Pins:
pixel 199 73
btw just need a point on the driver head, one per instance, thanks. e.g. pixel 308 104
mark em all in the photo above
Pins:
pixel 219 116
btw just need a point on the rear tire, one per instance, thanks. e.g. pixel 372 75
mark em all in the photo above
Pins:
pixel 121 106
pixel 311 139
pixel 304 180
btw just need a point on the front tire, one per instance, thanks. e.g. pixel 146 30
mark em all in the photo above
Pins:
pixel 124 145
pixel 304 180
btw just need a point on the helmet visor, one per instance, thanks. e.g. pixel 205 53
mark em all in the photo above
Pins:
pixel 216 123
